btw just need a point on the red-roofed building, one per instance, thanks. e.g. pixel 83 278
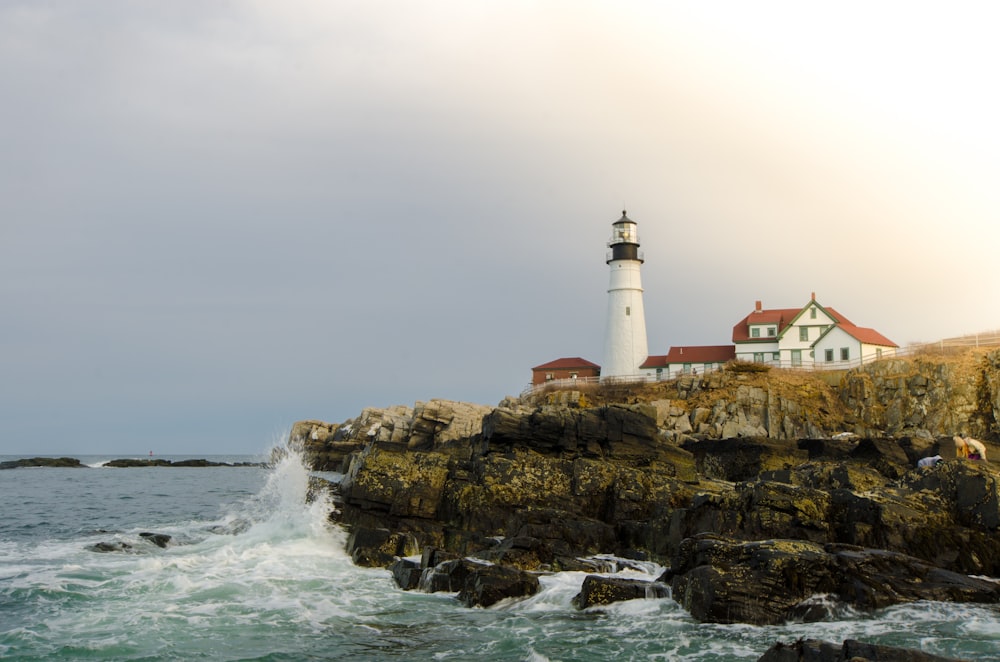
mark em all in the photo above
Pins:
pixel 566 368
pixel 688 360
pixel 813 335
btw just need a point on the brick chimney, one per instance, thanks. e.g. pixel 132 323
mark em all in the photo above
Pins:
pixel 757 305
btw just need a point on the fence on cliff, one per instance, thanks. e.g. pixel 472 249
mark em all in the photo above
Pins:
pixel 986 339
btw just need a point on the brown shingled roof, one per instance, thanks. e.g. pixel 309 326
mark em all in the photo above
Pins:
pixel 694 354
pixel 566 364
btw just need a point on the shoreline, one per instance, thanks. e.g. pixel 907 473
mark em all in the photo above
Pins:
pixel 121 463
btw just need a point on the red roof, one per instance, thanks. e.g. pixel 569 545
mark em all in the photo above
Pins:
pixel 699 354
pixel 778 316
pixel 867 336
pixel 566 364
pixel 782 317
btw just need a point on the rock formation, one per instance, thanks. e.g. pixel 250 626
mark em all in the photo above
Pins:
pixel 743 482
pixel 812 650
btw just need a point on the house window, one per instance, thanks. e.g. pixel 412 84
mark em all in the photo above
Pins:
pixel 845 353
pixel 707 367
pixel 828 355
pixel 812 313
pixel 572 375
pixel 771 331
pixel 804 333
pixel 755 332
pixel 659 374
pixel 878 352
pixel 687 368
pixel 548 376
pixel 796 357
pixel 758 357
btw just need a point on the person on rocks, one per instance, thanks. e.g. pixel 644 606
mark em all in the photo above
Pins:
pixel 977 450
pixel 961 448
pixel 928 462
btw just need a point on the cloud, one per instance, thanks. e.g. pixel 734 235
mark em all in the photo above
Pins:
pixel 226 217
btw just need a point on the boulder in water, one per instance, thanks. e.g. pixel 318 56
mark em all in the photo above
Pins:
pixel 813 650
pixel 158 539
pixel 110 547
pixel 489 584
pixel 598 590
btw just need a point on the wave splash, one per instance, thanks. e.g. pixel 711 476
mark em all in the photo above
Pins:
pixel 268 561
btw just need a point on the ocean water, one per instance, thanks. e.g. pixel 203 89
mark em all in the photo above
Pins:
pixel 254 572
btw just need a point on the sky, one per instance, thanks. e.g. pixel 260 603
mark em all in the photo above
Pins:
pixel 218 218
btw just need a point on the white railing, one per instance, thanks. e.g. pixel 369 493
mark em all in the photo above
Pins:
pixel 985 339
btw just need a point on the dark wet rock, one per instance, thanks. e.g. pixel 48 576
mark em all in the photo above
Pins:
pixel 487 585
pixel 721 580
pixel 448 576
pixel 110 547
pixel 128 463
pixel 813 650
pixel 379 547
pixel 884 455
pixel 125 463
pixel 70 462
pixel 598 590
pixel 432 557
pixel 158 539
pixel 743 459
pixel 406 574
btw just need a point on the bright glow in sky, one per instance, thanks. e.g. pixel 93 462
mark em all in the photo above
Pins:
pixel 219 218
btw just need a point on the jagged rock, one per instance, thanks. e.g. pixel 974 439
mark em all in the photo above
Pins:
pixel 813 650
pixel 743 459
pixel 110 547
pixel 598 590
pixel 378 547
pixel 720 580
pixel 158 539
pixel 540 484
pixel 406 574
pixel 448 576
pixel 939 395
pixel 400 484
pixel 487 585
pixel 884 455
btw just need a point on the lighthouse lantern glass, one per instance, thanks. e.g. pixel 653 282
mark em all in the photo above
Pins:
pixel 625 233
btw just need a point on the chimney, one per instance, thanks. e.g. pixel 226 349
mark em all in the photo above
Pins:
pixel 758 304
pixel 814 296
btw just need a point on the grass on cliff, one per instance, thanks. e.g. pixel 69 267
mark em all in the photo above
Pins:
pixel 814 392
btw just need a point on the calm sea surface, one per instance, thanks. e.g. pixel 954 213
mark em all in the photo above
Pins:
pixel 256 573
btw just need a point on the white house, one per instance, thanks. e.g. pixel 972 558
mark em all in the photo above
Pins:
pixel 813 335
pixel 690 360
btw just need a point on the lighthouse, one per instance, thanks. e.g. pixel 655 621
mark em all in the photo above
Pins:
pixel 625 347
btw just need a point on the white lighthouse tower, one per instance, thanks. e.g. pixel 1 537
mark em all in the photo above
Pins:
pixel 625 347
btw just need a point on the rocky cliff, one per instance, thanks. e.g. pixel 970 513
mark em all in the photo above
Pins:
pixel 750 485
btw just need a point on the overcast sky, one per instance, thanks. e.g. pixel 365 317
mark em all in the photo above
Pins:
pixel 218 218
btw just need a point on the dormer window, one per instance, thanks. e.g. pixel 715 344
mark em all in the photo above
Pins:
pixel 771 331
